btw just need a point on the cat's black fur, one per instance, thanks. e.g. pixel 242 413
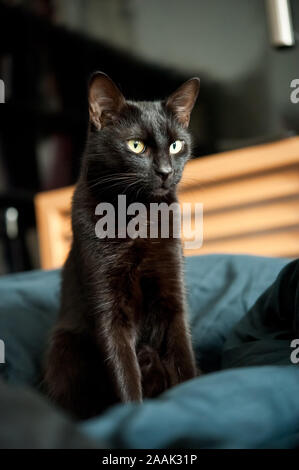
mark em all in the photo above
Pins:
pixel 122 334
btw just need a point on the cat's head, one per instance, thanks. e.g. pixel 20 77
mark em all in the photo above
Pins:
pixel 137 148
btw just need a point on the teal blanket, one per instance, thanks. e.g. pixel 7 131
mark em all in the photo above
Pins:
pixel 248 395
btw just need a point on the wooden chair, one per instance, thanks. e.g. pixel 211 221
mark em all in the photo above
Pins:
pixel 250 198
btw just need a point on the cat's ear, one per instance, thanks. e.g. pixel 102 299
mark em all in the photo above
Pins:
pixel 105 100
pixel 181 101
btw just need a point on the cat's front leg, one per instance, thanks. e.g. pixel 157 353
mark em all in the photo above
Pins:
pixel 119 344
pixel 179 358
pixel 177 353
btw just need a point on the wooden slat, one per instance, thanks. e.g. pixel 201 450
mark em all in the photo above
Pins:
pixel 53 226
pixel 249 220
pixel 60 198
pixel 242 162
pixel 246 193
pixel 252 190
pixel 270 244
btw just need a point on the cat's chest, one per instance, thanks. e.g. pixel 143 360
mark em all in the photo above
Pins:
pixel 143 267
pixel 150 256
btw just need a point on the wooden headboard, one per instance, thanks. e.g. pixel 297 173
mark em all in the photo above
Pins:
pixel 250 198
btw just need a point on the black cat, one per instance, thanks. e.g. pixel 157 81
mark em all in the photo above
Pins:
pixel 122 334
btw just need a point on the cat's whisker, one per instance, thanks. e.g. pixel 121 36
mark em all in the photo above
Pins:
pixel 132 184
pixel 104 182
pixel 139 190
pixel 114 175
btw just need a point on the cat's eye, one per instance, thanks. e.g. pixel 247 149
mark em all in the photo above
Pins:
pixel 136 146
pixel 176 146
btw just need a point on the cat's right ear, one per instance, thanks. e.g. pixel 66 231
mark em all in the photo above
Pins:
pixel 105 100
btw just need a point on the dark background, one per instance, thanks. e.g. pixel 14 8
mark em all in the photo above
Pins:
pixel 48 49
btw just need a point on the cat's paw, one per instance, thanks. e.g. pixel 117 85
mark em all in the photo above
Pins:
pixel 154 375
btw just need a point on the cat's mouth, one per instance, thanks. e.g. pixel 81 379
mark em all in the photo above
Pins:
pixel 163 189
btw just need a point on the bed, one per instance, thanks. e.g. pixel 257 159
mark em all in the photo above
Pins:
pixel 246 398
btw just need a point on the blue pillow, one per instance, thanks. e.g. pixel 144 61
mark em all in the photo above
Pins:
pixel 220 291
pixel 28 309
pixel 264 335
pixel 255 407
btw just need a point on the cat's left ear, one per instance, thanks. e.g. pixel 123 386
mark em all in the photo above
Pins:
pixel 181 102
pixel 105 100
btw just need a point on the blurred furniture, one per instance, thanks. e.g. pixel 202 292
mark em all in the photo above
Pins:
pixel 53 225
pixel 250 198
pixel 40 92
pixel 16 218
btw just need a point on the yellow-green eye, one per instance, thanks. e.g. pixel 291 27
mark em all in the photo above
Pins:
pixel 136 146
pixel 176 146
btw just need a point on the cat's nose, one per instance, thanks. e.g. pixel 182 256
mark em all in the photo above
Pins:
pixel 164 171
